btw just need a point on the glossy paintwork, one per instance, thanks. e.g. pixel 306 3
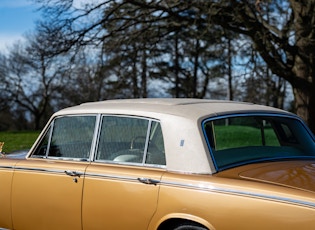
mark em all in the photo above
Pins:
pixel 131 203
pixel 114 197
pixel 6 176
pixel 42 187
pixel 72 194
pixel 227 203
pixel 296 174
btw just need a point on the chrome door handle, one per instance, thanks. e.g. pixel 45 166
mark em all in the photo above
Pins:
pixel 148 181
pixel 73 173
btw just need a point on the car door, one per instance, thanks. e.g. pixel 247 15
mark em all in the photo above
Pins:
pixel 6 175
pixel 47 188
pixel 121 187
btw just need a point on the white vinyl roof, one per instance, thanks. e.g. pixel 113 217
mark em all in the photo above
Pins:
pixel 188 108
pixel 185 146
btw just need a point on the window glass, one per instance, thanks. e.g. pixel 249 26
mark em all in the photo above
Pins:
pixel 122 139
pixel 156 152
pixel 71 137
pixel 130 139
pixel 240 132
pixel 41 151
pixel 246 139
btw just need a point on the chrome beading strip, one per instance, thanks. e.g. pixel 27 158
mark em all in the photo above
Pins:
pixel 110 177
pixel 216 189
pixel 7 167
pixel 43 170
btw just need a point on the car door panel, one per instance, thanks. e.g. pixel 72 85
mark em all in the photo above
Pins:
pixel 45 197
pixel 6 175
pixel 119 196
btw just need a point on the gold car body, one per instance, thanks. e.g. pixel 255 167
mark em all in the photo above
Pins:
pixel 186 188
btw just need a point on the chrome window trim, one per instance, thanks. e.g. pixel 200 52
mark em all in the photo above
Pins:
pixel 64 159
pixel 146 165
pixel 146 144
pixel 50 129
pixel 142 164
pixel 95 138
pixel 42 136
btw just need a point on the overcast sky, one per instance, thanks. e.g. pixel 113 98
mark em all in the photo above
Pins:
pixel 17 17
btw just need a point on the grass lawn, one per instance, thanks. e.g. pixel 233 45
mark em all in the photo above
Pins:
pixel 234 136
pixel 17 140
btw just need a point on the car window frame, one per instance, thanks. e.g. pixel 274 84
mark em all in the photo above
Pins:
pixel 49 130
pixel 148 134
pixel 96 139
pixel 248 114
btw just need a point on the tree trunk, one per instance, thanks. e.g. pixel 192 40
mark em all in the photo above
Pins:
pixel 304 96
pixel 176 65
pixel 230 92
pixel 196 65
pixel 304 60
pixel 144 74
pixel 135 88
pixel 311 112
pixel 305 106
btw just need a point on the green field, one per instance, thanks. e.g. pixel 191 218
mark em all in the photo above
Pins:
pixel 240 136
pixel 17 140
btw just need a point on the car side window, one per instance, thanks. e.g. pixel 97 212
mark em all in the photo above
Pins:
pixel 156 152
pixel 130 140
pixel 68 137
pixel 41 150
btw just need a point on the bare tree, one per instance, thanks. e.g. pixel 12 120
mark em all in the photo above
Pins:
pixel 32 79
pixel 284 39
pixel 281 31
pixel 130 33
